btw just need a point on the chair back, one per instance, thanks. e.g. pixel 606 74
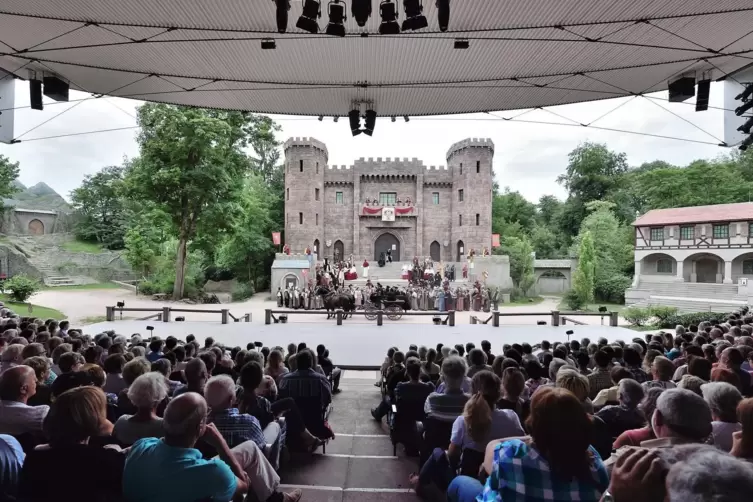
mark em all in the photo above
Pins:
pixel 436 435
pixel 470 462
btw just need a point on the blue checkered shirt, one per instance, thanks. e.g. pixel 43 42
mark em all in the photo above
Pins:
pixel 237 427
pixel 521 474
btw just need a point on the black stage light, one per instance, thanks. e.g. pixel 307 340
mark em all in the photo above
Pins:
pixel 307 21
pixel 321 117
pixel 180 319
pixel 336 18
pixel 746 143
pixel 268 43
pixel 443 14
pixel 540 323
pixel 393 118
pixel 56 88
pixel 406 118
pixel 744 108
pixel 462 44
pixel 413 12
pixel 388 13
pixel 35 93
pixel 283 6
pixel 370 122
pixel 746 127
pixel 743 96
pixel 335 119
pixel 361 10
pixel 702 98
pixel 355 122
pixel 603 309
pixel 121 304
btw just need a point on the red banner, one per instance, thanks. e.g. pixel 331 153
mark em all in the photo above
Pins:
pixel 372 210
pixel 495 240
pixel 403 210
pixel 276 238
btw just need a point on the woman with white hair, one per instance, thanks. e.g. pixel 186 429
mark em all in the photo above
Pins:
pixel 626 415
pixel 723 399
pixel 145 393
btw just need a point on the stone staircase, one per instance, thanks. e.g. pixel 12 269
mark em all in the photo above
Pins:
pixel 36 251
pixel 690 297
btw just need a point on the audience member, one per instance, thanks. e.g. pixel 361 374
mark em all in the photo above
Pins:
pixel 145 393
pixel 41 367
pixel 11 461
pixel 113 366
pixel 17 385
pixel 449 404
pixel 275 367
pixel 196 377
pixel 723 399
pixel 626 415
pixel 600 378
pixel 635 437
pixel 311 392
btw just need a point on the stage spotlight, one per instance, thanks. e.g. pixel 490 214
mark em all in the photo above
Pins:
pixel 307 21
pixel 268 43
pixel 443 14
pixel 35 93
pixel 744 108
pixel 361 10
pixel 335 119
pixel 746 127
pixel 283 6
pixel 337 17
pixel 413 12
pixel 540 323
pixel 370 122
pixel 388 13
pixel 320 118
pixel 462 44
pixel 743 96
pixel 603 309
pixel 180 319
pixel 406 118
pixel 393 118
pixel 354 117
pixel 121 304
pixel 746 143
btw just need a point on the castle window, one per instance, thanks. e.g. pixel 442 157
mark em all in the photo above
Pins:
pixel 721 231
pixel 478 166
pixel 687 233
pixel 460 195
pixel 657 234
pixel 317 219
pixel 748 267
pixel 338 197
pixel 300 165
pixel 300 218
pixel 387 198
pixel 316 193
pixel 478 219
pixel 460 220
pixel 461 168
pixel 663 266
pixel 317 168
pixel 287 194
pixel 435 198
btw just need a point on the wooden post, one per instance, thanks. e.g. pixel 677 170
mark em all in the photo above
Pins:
pixel 474 319
pixel 555 317
pixel 339 314
pixel 165 314
pixel 451 318
pixel 379 317
pixel 267 316
pixel 110 315
pixel 225 316
pixel 247 317
pixel 614 318
pixel 564 321
pixel 495 319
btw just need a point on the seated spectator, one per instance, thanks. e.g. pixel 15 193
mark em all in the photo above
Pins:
pixel 268 387
pixel 330 370
pixel 311 392
pixel 633 364
pixel 145 393
pixel 171 468
pixel 576 383
pixel 11 357
pixel 612 394
pixel 49 471
pixel 513 386
pixel 131 371
pixel 235 427
pixel 449 405
pixel 395 375
pixel 565 464
pixel 41 367
pixel 17 385
pixel 155 350
pixel 69 364
pixel 732 359
pixel 723 399
pixel 626 415
pixel 11 461
pixel 477 360
pixel 600 378
pixel 275 367
pixel 164 367
pixel 662 371
pixel 196 377
pixel 635 437
pixel 414 390
pixel 113 367
pixel 536 375
pixel 429 368
pixel 742 441
pixel 691 383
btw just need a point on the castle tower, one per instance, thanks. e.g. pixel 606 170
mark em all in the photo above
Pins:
pixel 305 162
pixel 471 163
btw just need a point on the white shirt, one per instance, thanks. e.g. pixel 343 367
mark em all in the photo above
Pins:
pixel 19 418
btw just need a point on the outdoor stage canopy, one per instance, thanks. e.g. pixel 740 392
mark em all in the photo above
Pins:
pixel 494 54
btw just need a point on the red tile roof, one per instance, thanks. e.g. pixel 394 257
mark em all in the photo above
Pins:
pixel 699 214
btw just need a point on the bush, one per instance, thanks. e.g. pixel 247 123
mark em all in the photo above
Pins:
pixel 147 287
pixel 573 300
pixel 21 287
pixel 612 289
pixel 636 316
pixel 661 313
pixel 242 291
pixel 692 318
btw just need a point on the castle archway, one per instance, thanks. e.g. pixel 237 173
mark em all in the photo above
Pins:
pixel 435 251
pixel 36 227
pixel 460 251
pixel 384 242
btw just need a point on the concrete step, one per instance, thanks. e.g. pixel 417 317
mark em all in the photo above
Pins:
pixel 687 305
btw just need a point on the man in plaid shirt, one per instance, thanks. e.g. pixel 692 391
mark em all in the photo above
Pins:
pixel 599 378
pixel 235 427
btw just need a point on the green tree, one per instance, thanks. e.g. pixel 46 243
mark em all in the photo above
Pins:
pixel 99 206
pixel 520 252
pixel 549 207
pixel 583 279
pixel 191 166
pixel 143 239
pixel 545 243
pixel 8 174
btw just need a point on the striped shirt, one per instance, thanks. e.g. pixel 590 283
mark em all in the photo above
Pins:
pixel 238 428
pixel 306 383
pixel 446 407
pixel 598 380
pixel 19 418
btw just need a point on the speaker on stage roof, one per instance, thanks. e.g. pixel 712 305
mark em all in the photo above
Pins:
pixel 681 89
pixel 35 94
pixel 702 101
pixel 55 88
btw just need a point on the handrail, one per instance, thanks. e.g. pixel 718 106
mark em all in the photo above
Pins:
pixel 574 321
pixel 164 313
pixel 340 315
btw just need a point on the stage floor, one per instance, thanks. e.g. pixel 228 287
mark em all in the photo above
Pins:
pixel 363 346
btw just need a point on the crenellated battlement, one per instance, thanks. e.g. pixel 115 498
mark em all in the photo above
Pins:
pixel 436 168
pixel 306 142
pixel 339 168
pixel 470 143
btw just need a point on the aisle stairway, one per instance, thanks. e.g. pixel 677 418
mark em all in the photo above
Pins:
pixel 359 465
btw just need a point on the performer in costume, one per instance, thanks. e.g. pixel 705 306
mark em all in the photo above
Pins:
pixel 279 297
pixel 365 269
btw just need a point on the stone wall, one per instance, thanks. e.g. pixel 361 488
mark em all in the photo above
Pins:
pixel 107 265
pixel 290 267
pixel 13 262
pixel 498 268
pixel 17 222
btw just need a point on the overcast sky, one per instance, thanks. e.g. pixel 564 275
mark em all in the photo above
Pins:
pixel 528 157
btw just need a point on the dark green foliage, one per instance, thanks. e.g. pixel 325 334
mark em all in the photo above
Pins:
pixel 691 318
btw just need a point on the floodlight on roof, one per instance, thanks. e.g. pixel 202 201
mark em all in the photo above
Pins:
pixel 746 143
pixel 406 118
pixel 311 11
pixel 354 117
pixel 443 14
pixel 743 96
pixel 413 12
pixel 388 13
pixel 361 10
pixel 337 17
pixel 282 6
pixel 744 108
pixel 746 127
pixel 268 44
pixel 370 122
pixel 462 43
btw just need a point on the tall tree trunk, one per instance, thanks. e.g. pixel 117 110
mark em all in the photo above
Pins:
pixel 180 268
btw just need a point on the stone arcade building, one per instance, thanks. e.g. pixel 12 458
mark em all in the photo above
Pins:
pixel 380 204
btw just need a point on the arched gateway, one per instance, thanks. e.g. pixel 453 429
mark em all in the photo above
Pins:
pixel 383 243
